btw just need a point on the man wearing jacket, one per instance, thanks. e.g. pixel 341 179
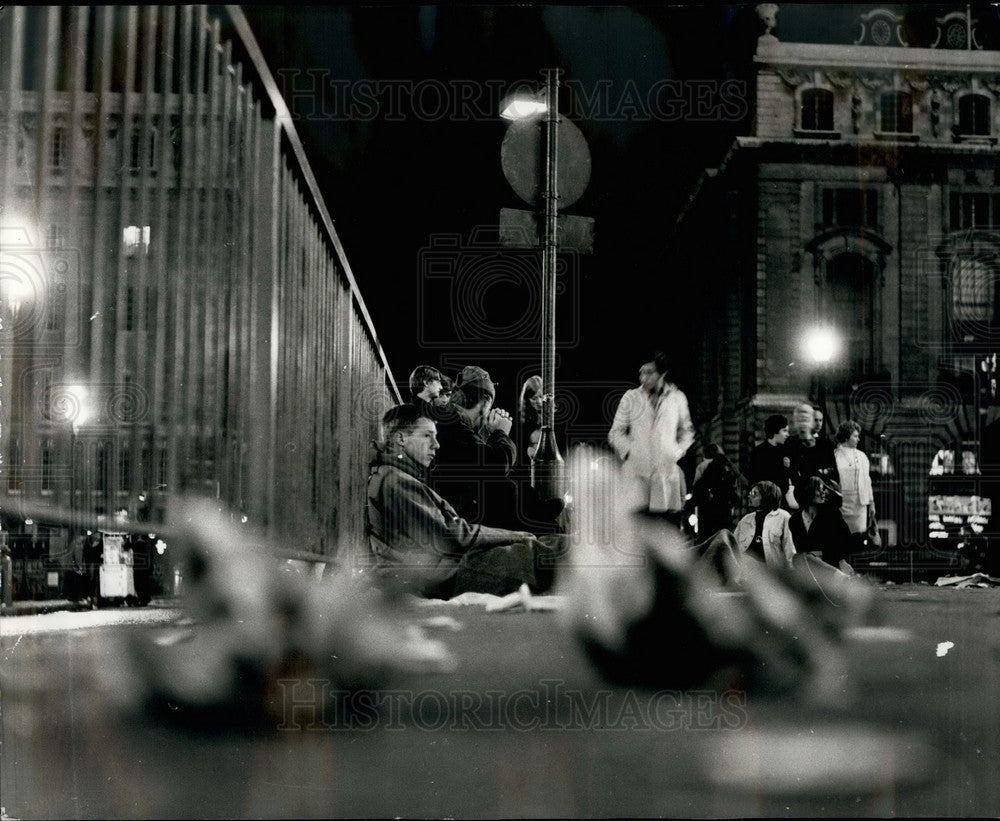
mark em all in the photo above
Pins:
pixel 419 541
pixel 473 468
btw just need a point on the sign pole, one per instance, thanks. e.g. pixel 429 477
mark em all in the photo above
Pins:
pixel 547 463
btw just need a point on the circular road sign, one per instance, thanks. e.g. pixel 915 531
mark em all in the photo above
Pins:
pixel 522 156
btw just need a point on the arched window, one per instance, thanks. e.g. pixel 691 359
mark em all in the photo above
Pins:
pixel 972 295
pixel 816 113
pixel 973 116
pixel 897 112
pixel 973 291
pixel 850 301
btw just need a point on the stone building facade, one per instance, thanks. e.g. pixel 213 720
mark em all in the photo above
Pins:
pixel 866 201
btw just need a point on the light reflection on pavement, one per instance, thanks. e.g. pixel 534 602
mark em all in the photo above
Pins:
pixel 80 619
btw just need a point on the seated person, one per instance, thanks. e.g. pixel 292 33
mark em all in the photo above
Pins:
pixel 420 543
pixel 764 534
pixel 443 399
pixel 817 526
pixel 637 586
pixel 477 453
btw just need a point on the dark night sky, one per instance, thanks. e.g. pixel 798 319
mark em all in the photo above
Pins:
pixel 397 107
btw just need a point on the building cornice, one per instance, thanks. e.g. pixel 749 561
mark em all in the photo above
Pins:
pixel 867 58
pixel 853 145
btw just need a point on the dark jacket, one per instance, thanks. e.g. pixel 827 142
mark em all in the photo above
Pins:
pixel 814 460
pixel 828 534
pixel 768 463
pixel 473 471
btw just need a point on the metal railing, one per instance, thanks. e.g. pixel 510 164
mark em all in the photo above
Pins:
pixel 179 314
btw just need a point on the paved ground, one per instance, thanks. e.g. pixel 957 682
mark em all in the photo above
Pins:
pixel 522 727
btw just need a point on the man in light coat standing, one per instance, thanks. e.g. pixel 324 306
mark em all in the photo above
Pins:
pixel 652 430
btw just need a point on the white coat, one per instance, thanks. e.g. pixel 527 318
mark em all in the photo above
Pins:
pixel 779 547
pixel 650 439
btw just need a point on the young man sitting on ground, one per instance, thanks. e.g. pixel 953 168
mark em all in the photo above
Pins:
pixel 421 544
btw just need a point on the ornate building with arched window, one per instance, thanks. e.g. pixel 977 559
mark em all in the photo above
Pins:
pixel 866 200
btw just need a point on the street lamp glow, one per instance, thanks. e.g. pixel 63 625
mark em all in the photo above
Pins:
pixel 76 408
pixel 522 106
pixel 821 344
pixel 16 292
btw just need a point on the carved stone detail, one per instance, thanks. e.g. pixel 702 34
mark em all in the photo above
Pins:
pixel 768 13
pixel 958 31
pixel 992 83
pixel 950 83
pixel 879 27
pixel 936 112
pixel 839 79
pixel 874 81
pixel 791 77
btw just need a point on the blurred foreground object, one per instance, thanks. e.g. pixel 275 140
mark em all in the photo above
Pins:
pixel 258 628
pixel 651 613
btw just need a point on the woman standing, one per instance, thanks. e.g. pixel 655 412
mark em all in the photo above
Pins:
pixel 853 468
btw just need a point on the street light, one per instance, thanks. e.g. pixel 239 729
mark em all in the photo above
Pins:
pixel 523 104
pixel 821 344
pixel 70 405
pixel 546 462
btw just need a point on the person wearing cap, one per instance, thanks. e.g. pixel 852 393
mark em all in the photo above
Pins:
pixel 473 468
pixel 651 431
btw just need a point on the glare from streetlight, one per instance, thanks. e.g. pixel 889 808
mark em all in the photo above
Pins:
pixel 521 107
pixel 821 344
pixel 16 292
pixel 74 406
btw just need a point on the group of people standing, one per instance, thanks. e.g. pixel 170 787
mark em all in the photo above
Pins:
pixel 809 470
pixel 806 494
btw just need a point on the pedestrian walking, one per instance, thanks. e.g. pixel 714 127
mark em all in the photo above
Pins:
pixel 651 431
